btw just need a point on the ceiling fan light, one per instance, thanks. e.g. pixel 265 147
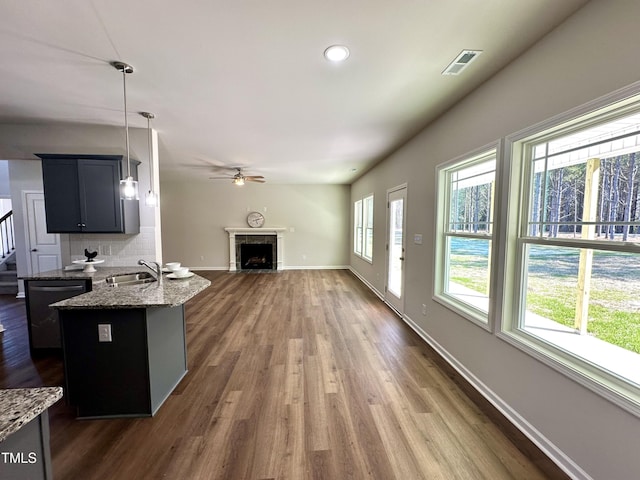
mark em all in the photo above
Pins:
pixel 238 181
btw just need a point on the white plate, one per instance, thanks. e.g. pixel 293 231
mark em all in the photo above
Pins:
pixel 173 276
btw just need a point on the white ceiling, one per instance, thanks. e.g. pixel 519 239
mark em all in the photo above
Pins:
pixel 244 83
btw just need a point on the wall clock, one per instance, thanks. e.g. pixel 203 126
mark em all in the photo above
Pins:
pixel 255 219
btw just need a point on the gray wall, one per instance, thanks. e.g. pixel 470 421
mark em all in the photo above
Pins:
pixel 5 190
pixel 194 214
pixel 583 59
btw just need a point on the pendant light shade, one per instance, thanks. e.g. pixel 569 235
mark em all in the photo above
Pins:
pixel 151 198
pixel 128 186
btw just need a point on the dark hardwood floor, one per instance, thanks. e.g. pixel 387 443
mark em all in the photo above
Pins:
pixel 292 375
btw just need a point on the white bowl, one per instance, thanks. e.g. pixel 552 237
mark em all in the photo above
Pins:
pixel 181 272
pixel 172 265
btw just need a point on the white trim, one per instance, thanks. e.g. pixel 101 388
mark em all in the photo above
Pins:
pixel 277 231
pixel 541 128
pixel 364 280
pixel 513 211
pixel 316 267
pixel 490 151
pixel 405 209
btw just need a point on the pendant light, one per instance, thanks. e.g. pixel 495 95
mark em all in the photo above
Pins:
pixel 128 186
pixel 151 198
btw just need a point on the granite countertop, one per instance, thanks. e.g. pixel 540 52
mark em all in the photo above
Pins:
pixel 77 274
pixel 18 406
pixel 171 293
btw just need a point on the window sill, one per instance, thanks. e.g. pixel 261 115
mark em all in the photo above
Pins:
pixel 606 369
pixel 466 303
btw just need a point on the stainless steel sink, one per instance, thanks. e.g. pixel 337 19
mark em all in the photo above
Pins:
pixel 130 279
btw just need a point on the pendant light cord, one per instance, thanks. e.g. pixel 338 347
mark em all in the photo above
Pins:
pixel 150 154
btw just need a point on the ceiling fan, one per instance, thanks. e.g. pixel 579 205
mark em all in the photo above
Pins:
pixel 239 179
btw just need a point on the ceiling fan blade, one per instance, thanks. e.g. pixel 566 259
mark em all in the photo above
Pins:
pixel 254 176
pixel 254 179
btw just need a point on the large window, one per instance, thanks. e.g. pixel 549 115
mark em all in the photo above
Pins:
pixel 363 228
pixel 572 282
pixel 466 191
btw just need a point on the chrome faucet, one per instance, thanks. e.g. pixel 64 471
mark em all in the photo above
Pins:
pixel 157 269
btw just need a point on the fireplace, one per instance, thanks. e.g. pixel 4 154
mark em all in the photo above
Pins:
pixel 255 248
pixel 255 256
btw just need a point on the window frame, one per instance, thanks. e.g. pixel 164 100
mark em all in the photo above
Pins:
pixel 357 227
pixel 367 225
pixel 362 223
pixel 475 315
pixel 514 230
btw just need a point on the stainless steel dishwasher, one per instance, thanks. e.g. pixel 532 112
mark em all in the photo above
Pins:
pixel 42 320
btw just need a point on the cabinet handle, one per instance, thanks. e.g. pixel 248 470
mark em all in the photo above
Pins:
pixel 74 288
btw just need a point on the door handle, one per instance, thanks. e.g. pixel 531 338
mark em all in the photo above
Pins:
pixel 34 249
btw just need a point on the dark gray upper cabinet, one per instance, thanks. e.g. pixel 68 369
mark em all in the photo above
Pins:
pixel 82 194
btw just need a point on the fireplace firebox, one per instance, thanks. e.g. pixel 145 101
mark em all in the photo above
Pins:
pixel 256 256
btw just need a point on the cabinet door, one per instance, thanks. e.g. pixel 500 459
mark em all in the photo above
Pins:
pixel 100 203
pixel 61 195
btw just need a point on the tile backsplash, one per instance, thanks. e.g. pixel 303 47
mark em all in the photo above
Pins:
pixel 116 250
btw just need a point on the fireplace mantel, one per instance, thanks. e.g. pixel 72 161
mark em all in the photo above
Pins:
pixel 277 231
pixel 255 231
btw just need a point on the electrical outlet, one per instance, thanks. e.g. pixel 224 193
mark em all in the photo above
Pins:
pixel 424 308
pixel 104 332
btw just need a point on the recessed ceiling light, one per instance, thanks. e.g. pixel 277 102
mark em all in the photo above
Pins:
pixel 336 53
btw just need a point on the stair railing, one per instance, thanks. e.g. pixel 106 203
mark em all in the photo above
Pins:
pixel 7 234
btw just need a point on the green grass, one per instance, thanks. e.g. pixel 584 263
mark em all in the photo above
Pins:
pixel 607 321
pixel 612 317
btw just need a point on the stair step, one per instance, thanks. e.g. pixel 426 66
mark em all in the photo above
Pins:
pixel 8 282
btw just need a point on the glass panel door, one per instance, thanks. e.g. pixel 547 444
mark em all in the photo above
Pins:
pixel 396 249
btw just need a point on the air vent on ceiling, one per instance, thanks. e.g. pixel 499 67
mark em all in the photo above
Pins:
pixel 461 62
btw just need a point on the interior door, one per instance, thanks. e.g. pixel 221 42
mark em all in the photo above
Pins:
pixel 43 249
pixel 394 292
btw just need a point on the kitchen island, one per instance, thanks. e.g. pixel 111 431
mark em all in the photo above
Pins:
pixel 124 347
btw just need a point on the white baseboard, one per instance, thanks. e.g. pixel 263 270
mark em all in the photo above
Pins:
pixel 286 267
pixel 315 267
pixel 364 280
